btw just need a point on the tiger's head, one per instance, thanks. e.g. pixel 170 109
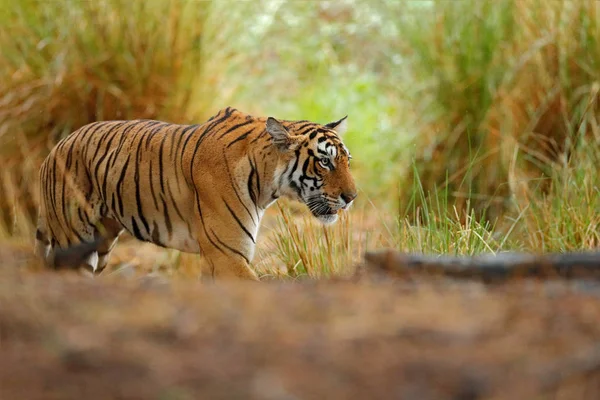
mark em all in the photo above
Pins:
pixel 316 165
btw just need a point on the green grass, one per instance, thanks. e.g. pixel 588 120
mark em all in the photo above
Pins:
pixel 511 81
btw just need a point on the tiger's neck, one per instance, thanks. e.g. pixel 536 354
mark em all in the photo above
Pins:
pixel 266 175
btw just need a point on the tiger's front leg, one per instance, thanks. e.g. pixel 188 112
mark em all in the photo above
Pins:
pixel 219 266
pixel 226 250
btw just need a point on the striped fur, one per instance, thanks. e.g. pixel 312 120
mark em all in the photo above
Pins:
pixel 195 188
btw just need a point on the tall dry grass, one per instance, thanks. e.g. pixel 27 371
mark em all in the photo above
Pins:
pixel 65 64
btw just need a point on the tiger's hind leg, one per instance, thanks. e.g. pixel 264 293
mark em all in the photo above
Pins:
pixel 106 235
pixel 80 255
pixel 109 229
pixel 43 247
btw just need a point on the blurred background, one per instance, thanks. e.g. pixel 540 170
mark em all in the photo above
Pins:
pixel 473 124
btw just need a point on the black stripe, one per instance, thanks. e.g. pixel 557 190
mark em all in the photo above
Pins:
pixel 174 203
pixel 187 139
pixel 150 133
pixel 88 140
pixel 113 157
pixel 233 185
pixel 161 148
pixel 211 126
pixel 179 136
pixel 83 217
pixel 156 235
pixel 305 165
pixel 204 225
pixel 136 230
pixel 112 205
pixel 53 192
pixel 300 132
pixel 101 159
pixel 229 247
pixel 234 127
pixel 167 217
pixel 82 131
pixel 295 166
pixel 119 185
pixel 66 174
pixel 263 133
pixel 241 137
pixel 79 237
pixel 201 139
pixel 183 133
pixel 198 143
pixel 304 175
pixel 152 191
pixel 52 186
pixel 304 125
pixel 90 181
pixel 138 196
pixel 250 179
pixel 257 180
pixel 238 221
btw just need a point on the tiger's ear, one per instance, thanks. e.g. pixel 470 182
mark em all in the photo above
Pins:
pixel 281 137
pixel 339 126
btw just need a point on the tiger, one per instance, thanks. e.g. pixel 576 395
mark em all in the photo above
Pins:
pixel 200 188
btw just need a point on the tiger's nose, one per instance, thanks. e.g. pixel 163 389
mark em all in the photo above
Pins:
pixel 348 197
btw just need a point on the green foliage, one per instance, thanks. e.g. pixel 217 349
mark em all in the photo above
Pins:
pixel 508 86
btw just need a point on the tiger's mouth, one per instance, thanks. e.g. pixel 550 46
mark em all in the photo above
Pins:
pixel 319 208
pixel 323 211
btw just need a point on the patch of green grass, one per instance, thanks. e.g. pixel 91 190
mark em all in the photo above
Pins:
pixel 567 217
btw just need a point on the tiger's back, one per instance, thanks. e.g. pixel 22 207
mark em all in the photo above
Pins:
pixel 195 188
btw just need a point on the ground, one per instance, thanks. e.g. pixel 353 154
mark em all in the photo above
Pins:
pixel 142 336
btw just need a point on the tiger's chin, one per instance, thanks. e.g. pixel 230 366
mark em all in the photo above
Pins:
pixel 327 219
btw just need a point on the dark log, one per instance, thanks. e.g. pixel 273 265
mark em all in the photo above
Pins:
pixel 488 267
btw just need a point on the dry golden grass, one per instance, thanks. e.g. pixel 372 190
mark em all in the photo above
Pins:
pixel 65 64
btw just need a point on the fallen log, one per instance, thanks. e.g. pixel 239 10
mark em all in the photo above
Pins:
pixel 488 267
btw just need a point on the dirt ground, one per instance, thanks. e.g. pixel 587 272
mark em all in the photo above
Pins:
pixel 139 336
